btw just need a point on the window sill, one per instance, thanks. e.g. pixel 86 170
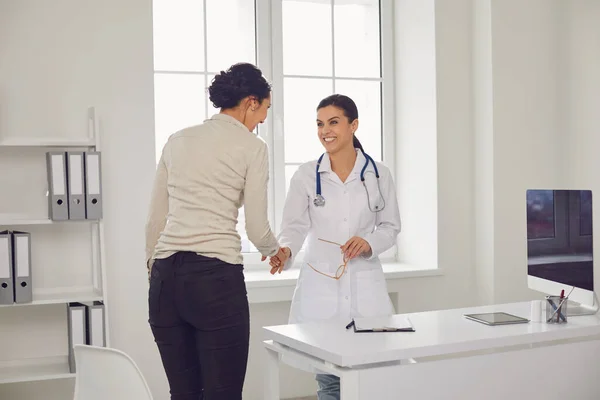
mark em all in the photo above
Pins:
pixel 262 287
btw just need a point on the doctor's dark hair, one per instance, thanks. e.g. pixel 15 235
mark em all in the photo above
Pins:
pixel 241 80
pixel 348 106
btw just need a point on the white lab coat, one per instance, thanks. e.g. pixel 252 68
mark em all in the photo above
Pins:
pixel 362 291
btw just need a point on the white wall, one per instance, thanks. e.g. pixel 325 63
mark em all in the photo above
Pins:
pixel 517 134
pixel 483 134
pixel 517 92
pixel 507 67
pixel 433 95
pixel 528 145
pixel 74 54
pixel 581 101
pixel 536 91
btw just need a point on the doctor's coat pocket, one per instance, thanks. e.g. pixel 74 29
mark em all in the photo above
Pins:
pixel 372 298
pixel 318 293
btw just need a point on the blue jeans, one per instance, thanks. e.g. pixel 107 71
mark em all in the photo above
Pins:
pixel 329 387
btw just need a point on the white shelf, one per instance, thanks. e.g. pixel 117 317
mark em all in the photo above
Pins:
pixel 19 220
pixel 67 295
pixel 35 369
pixel 9 221
pixel 17 366
pixel 46 142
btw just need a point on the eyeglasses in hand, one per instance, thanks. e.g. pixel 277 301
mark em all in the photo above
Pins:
pixel 341 269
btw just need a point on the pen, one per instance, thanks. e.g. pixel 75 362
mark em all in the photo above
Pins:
pixel 554 307
pixel 562 296
pixel 350 324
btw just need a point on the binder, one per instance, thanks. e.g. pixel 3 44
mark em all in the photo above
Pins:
pixel 96 332
pixel 76 323
pixel 21 242
pixel 6 274
pixel 58 205
pixel 93 185
pixel 76 184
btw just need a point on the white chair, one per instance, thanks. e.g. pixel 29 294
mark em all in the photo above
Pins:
pixel 103 373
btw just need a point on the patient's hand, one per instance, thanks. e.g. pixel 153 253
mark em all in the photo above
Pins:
pixel 277 262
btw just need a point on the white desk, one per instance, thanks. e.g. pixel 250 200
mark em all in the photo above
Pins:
pixel 454 358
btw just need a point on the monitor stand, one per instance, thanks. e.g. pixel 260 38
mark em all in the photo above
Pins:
pixel 575 309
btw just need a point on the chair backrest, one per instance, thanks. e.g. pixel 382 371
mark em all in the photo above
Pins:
pixel 104 373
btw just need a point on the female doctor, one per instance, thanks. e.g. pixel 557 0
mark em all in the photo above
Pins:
pixel 345 205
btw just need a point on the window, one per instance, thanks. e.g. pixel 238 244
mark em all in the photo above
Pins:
pixel 308 49
pixel 340 53
pixel 191 45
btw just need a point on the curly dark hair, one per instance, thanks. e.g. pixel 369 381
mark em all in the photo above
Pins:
pixel 241 80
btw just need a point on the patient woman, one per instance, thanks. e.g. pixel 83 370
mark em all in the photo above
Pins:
pixel 344 205
pixel 198 307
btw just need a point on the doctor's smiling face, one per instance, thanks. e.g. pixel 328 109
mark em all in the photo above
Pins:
pixel 337 120
pixel 336 131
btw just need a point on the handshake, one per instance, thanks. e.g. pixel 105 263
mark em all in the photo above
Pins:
pixel 278 260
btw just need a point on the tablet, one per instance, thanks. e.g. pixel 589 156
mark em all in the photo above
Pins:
pixel 497 318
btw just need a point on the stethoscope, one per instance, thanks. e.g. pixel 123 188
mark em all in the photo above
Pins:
pixel 320 200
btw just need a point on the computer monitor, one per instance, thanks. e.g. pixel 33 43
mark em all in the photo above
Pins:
pixel 560 244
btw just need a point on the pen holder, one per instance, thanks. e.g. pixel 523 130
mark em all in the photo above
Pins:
pixel 556 310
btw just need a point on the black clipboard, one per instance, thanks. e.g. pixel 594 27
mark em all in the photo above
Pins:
pixel 380 328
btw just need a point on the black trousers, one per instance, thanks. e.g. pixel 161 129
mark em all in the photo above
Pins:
pixel 200 319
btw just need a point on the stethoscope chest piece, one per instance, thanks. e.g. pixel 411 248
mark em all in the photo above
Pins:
pixel 319 201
